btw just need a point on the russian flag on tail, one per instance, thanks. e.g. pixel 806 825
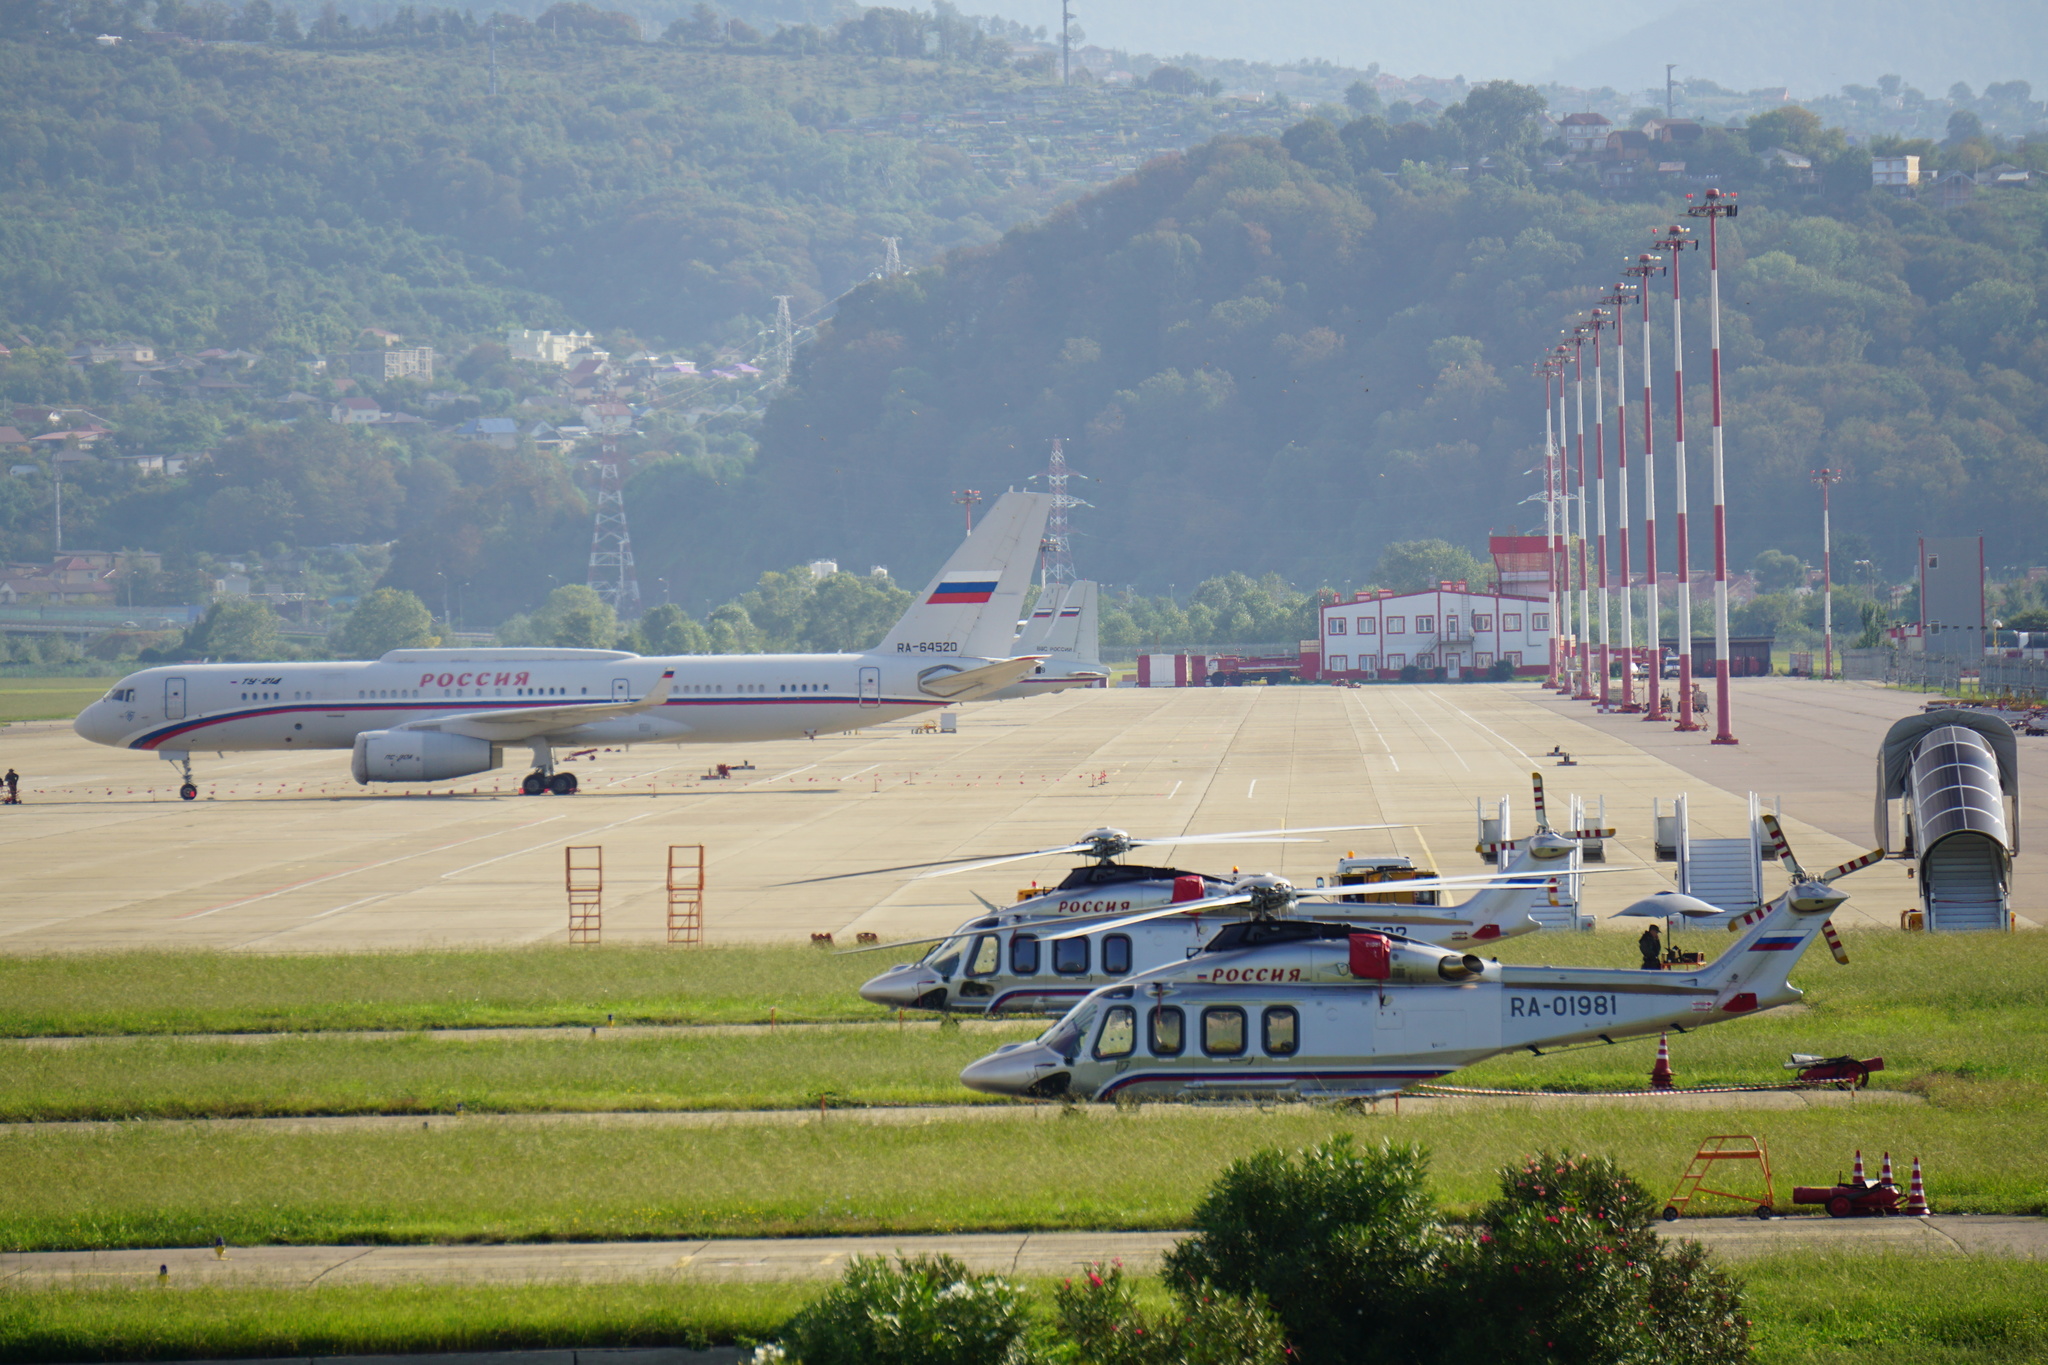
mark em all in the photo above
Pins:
pixel 965 587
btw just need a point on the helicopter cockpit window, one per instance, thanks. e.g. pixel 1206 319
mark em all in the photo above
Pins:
pixel 986 957
pixel 1024 955
pixel 944 958
pixel 1223 1031
pixel 1070 956
pixel 1116 954
pixel 1119 1036
pixel 1169 1031
pixel 1065 1036
pixel 1282 1028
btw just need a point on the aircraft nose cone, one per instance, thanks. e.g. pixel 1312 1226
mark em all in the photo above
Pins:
pixel 94 723
pixel 897 988
pixel 1028 1070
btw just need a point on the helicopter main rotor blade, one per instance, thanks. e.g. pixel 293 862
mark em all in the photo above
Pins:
pixel 978 864
pixel 899 943
pixel 1160 912
pixel 912 867
pixel 1245 836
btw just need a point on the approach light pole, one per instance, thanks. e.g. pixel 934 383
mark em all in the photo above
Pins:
pixel 1619 299
pixel 1643 267
pixel 1718 205
pixel 969 498
pixel 1561 357
pixel 1827 478
pixel 1552 372
pixel 1674 240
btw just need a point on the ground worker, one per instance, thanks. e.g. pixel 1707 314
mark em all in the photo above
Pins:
pixel 1653 949
pixel 13 781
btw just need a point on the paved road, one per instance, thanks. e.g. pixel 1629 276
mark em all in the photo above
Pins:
pixel 820 1258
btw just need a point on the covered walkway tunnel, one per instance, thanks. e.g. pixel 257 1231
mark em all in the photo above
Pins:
pixel 1956 776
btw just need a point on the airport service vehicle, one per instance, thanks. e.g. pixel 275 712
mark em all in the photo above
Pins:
pixel 1314 1009
pixel 428 715
pixel 1036 959
pixel 1066 634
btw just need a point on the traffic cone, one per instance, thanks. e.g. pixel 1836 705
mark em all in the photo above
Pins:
pixel 1660 1074
pixel 1916 1197
pixel 1884 1175
pixel 1857 1178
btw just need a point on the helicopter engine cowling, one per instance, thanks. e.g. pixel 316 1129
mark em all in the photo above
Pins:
pixel 1376 957
pixel 419 756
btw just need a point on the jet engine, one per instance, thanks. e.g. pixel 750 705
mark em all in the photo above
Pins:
pixel 419 756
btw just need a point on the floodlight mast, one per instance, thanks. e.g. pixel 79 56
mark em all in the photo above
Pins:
pixel 1827 478
pixel 1674 240
pixel 1643 267
pixel 1719 204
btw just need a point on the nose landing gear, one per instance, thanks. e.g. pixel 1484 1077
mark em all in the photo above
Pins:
pixel 188 790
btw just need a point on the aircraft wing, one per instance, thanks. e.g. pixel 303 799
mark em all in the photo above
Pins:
pixel 511 724
pixel 955 684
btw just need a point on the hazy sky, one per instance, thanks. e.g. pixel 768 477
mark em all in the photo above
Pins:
pixel 1812 45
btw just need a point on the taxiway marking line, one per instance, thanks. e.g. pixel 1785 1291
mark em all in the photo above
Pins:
pixel 1175 792
pixel 1252 788
pixel 857 771
pixel 351 871
pixel 779 776
pixel 544 843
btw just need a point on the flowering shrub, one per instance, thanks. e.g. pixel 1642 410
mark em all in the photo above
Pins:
pixel 1096 1321
pixel 923 1310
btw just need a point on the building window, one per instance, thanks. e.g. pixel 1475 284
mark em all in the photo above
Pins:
pixel 1451 626
pixel 1223 1031
pixel 1368 626
pixel 1482 622
pixel 1368 663
pixel 1513 621
pixel 1425 625
pixel 1482 660
pixel 1425 661
pixel 1397 625
pixel 1336 625
pixel 1340 663
pixel 1514 657
pixel 1539 620
pixel 1397 661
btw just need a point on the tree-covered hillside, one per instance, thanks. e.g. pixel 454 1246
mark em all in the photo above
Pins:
pixel 1274 357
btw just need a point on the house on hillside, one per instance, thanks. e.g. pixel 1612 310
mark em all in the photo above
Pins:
pixel 1584 134
pixel 350 412
pixel 1899 174
pixel 501 432
pixel 1678 132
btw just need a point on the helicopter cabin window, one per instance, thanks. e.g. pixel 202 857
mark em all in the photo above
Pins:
pixel 1169 1031
pixel 1119 1036
pixel 1070 956
pixel 1336 625
pixel 986 957
pixel 1223 1031
pixel 1116 954
pixel 1282 1028
pixel 1024 955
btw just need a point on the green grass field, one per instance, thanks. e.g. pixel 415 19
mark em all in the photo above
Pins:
pixel 1861 1310
pixel 421 1074
pixel 527 1179
pixel 48 698
pixel 542 986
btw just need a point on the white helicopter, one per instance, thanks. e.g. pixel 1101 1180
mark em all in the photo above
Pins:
pixel 994 963
pixel 1307 1009
pixel 1036 959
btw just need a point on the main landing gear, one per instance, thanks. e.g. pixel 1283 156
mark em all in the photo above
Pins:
pixel 544 779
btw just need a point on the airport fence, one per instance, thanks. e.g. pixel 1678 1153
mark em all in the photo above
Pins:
pixel 2020 678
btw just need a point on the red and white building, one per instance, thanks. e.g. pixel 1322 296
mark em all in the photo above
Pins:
pixel 1451 629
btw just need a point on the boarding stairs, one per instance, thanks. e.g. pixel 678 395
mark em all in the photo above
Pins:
pixel 1962 884
pixel 1725 873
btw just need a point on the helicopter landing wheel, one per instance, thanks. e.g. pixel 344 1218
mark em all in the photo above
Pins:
pixel 188 792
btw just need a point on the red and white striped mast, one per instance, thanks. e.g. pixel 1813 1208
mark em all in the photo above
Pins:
pixel 1599 321
pixel 1643 268
pixel 1674 240
pixel 1718 205
pixel 1560 553
pixel 1548 368
pixel 1585 692
pixel 1618 300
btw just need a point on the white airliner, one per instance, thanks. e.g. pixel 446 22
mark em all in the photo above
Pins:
pixel 428 715
pixel 1064 628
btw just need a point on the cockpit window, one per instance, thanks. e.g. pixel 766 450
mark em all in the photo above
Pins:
pixel 1119 1036
pixel 944 958
pixel 1066 1035
pixel 121 694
